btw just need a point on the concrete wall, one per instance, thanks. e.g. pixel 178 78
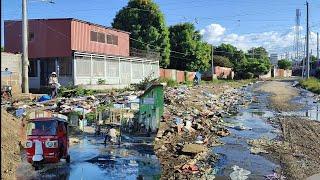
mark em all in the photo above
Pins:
pixel 176 75
pixel 223 72
pixel 282 73
pixel 14 64
pixel 265 76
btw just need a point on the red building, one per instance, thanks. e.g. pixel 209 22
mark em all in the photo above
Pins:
pixel 73 48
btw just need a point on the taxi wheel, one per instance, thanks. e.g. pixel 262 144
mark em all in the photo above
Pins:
pixel 36 166
pixel 68 159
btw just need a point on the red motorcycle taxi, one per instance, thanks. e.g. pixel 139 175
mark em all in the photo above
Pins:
pixel 47 141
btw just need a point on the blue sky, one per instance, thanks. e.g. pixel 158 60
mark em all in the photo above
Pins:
pixel 244 23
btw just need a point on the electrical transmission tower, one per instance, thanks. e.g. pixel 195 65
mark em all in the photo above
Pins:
pixel 297 37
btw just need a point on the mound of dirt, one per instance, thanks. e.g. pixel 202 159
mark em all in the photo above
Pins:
pixel 12 136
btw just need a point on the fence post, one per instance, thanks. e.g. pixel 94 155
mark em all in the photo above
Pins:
pixel 74 70
pixel 119 66
pixel 91 69
pixel 105 68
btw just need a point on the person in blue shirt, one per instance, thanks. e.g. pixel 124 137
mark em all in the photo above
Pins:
pixel 197 78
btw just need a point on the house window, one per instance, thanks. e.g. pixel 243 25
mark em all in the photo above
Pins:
pixel 114 40
pixel 33 68
pixel 93 36
pixel 101 38
pixel 65 67
pixel 31 36
pixel 109 39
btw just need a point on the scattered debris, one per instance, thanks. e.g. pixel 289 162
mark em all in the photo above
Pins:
pixel 239 173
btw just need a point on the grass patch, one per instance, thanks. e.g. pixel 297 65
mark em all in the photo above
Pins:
pixel 311 84
pixel 169 82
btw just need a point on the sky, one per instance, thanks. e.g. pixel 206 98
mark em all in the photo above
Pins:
pixel 243 23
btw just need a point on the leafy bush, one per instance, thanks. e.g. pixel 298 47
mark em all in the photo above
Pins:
pixel 170 82
pixel 284 64
pixel 101 81
pixel 71 91
pixel 311 84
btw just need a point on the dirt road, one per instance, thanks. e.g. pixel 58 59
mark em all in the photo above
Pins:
pixel 299 149
pixel 281 94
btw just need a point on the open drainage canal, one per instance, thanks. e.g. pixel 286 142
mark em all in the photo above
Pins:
pixel 253 119
pixel 92 160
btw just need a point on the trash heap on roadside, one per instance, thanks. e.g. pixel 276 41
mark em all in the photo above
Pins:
pixel 44 106
pixel 191 124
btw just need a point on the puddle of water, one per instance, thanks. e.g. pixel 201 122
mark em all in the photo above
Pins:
pixel 236 151
pixel 310 109
pixel 92 160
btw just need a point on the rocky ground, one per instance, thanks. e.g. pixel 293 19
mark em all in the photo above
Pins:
pixel 191 125
pixel 12 138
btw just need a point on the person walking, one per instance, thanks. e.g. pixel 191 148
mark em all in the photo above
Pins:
pixel 54 84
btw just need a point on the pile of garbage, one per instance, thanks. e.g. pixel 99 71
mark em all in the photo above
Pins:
pixel 191 124
pixel 64 106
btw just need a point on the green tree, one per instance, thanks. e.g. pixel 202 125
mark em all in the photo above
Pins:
pixel 258 53
pixel 185 39
pixel 236 57
pixel 221 61
pixel 2 49
pixel 144 20
pixel 284 64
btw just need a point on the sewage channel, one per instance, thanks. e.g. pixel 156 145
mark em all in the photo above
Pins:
pixel 90 159
pixel 236 151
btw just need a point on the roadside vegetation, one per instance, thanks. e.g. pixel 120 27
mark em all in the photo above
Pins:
pixel 284 64
pixel 311 84
pixel 181 46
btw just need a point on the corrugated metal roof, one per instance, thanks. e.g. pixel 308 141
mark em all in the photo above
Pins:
pixel 72 19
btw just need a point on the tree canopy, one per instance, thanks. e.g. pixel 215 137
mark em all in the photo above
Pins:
pixel 284 64
pixel 235 56
pixel 221 61
pixel 144 20
pixel 193 54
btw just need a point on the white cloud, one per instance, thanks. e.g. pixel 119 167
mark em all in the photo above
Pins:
pixel 273 41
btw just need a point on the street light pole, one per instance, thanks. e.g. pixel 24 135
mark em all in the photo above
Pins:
pixel 25 60
pixel 308 55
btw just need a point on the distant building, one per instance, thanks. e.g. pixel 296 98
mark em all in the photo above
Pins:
pixel 80 52
pixel 274 59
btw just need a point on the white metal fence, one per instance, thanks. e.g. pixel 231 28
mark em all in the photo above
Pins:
pixel 89 68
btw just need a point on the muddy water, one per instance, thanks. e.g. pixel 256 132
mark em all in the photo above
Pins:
pixel 93 160
pixel 236 150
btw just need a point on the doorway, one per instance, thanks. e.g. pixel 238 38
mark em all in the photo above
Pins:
pixel 47 66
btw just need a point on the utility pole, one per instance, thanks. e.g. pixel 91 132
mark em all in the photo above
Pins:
pixel 212 70
pixel 303 59
pixel 25 60
pixel 317 46
pixel 308 55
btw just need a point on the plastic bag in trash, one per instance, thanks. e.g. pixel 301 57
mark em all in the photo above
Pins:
pixel 239 173
pixel 44 98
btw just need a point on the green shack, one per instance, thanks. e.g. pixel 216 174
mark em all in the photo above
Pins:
pixel 151 109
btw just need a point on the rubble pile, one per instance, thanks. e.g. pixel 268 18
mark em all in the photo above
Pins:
pixel 191 124
pixel 63 105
